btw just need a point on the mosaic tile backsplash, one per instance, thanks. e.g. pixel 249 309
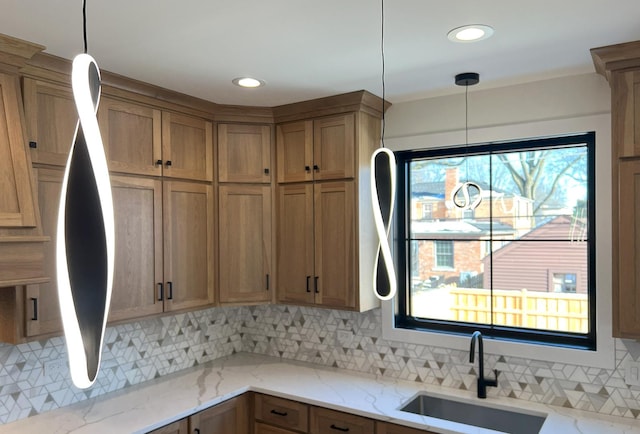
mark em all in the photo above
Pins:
pixel 148 349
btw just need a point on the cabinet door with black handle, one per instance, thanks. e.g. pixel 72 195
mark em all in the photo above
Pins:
pixel 325 421
pixel 282 413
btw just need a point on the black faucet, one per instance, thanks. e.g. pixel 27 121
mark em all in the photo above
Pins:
pixel 482 382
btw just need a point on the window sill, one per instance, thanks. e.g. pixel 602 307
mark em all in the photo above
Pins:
pixel 603 357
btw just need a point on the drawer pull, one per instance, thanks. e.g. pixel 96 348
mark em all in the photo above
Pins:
pixel 337 428
pixel 279 413
pixel 34 300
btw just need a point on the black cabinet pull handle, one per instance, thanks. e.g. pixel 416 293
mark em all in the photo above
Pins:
pixel 168 163
pixel 34 300
pixel 307 168
pixel 337 428
pixel 267 282
pixel 170 285
pixel 316 168
pixel 279 413
pixel 315 284
pixel 160 292
pixel 308 277
pixel 158 162
pixel 33 145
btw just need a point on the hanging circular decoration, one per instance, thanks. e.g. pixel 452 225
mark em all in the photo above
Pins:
pixel 85 233
pixel 467 195
pixel 383 192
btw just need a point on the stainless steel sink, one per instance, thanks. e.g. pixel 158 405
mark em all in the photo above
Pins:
pixel 508 421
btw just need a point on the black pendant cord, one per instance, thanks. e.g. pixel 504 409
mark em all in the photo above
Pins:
pixel 466 130
pixel 84 24
pixel 382 55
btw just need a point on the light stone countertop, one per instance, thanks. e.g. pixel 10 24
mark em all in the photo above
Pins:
pixel 159 402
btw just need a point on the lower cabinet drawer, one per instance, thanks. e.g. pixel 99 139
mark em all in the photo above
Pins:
pixel 325 421
pixel 282 413
pixel 261 428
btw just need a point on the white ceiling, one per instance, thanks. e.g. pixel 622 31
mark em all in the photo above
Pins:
pixel 307 49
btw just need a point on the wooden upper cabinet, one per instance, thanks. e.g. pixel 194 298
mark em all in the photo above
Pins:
pixel 245 243
pixel 335 244
pixel 187 147
pixel 17 207
pixel 188 245
pixel 244 153
pixel 321 149
pixel 625 89
pixel 51 120
pixel 137 205
pixel 620 64
pixel 295 245
pixel 317 244
pixel 295 151
pixel 626 300
pixel 334 147
pixel 132 137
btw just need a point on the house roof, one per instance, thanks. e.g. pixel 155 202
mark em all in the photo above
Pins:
pixel 457 227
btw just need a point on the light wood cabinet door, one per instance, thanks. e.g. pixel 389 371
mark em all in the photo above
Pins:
pixel 132 137
pixel 334 147
pixel 244 153
pixel 335 243
pixel 42 308
pixel 231 416
pixel 179 427
pixel 295 244
pixel 390 428
pixel 137 204
pixel 325 421
pixel 294 144
pixel 626 295
pixel 51 120
pixel 17 207
pixel 245 243
pixel 187 147
pixel 188 245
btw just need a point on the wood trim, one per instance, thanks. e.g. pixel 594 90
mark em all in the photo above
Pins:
pixel 56 69
pixel 15 52
pixel 360 100
pixel 616 57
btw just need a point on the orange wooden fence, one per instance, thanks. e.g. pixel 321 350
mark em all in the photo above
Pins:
pixel 530 309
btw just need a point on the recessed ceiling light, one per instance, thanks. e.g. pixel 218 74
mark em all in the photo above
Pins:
pixel 247 82
pixel 470 33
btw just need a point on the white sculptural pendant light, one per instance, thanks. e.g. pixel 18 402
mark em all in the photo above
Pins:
pixel 383 194
pixel 466 195
pixel 85 233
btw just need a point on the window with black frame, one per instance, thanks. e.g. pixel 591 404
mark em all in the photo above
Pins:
pixel 521 264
